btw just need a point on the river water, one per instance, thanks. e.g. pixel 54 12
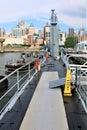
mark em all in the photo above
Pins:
pixel 6 57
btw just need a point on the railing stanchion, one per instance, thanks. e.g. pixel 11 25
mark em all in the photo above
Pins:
pixel 29 70
pixel 18 79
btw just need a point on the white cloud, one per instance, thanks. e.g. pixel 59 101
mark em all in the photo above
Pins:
pixel 72 12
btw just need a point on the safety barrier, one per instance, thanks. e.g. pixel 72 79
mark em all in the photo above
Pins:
pixel 17 82
pixel 81 83
pixel 78 77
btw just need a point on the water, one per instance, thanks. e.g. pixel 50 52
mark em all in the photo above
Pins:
pixel 4 58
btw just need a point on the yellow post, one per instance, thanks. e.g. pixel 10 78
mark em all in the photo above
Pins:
pixel 67 89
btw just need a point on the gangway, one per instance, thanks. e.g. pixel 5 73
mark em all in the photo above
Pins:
pixel 46 107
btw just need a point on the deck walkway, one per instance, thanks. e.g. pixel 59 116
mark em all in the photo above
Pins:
pixel 46 107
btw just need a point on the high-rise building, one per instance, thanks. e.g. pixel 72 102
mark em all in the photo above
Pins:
pixel 17 32
pixel 22 25
pixel 31 29
pixel 47 33
pixel 71 32
pixel 40 33
pixel 20 30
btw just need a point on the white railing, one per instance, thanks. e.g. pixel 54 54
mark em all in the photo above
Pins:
pixel 78 78
pixel 17 82
pixel 82 84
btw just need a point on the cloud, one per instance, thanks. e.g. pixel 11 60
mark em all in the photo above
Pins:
pixel 70 12
pixel 73 12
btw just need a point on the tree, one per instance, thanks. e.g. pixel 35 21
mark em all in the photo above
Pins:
pixel 71 42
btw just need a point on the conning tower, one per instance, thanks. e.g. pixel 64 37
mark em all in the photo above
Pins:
pixel 54 41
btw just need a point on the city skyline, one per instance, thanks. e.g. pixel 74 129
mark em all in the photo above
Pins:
pixel 39 25
pixel 70 14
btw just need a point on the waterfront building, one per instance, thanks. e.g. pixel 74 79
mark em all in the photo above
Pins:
pixel 11 41
pixel 29 39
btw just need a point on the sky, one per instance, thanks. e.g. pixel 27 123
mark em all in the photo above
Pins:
pixel 70 13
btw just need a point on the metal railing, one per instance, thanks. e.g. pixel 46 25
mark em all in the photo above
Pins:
pixel 81 84
pixel 17 82
pixel 78 78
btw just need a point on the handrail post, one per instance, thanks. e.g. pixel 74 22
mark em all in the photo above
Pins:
pixel 79 79
pixel 76 73
pixel 29 69
pixel 18 79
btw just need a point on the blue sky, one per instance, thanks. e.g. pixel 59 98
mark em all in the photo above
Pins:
pixel 70 13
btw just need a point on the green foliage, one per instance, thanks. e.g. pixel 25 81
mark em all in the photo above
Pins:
pixel 71 42
pixel 27 45
pixel 41 45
